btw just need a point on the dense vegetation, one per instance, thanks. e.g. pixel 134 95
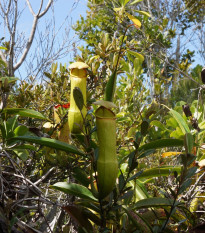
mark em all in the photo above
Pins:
pixel 113 142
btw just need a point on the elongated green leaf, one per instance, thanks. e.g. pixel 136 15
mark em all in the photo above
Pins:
pixel 162 143
pixel 180 120
pixel 95 206
pixel 136 1
pixel 158 124
pixel 144 127
pixel 146 153
pixel 14 123
pixel 135 176
pixel 117 9
pixel 159 171
pixel 135 21
pixel 24 113
pixel 139 194
pixel 138 221
pixel 188 214
pixel 93 217
pixel 49 142
pixel 143 13
pixel 189 142
pixel 25 146
pixel 110 87
pixel 154 202
pixel 74 189
pixel 78 97
pixel 185 185
pixel 190 172
pixel 125 2
pixel 80 175
pixel 142 186
pixel 137 55
pixel 20 130
pixel 10 79
pixel 22 154
pixel 3 48
pixel 11 124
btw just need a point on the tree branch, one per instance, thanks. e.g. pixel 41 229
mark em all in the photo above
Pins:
pixel 12 44
pixel 28 45
pixel 47 7
pixel 33 30
pixel 6 15
pixel 30 7
pixel 39 11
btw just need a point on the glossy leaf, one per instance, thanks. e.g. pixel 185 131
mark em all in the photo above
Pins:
pixel 3 48
pixel 89 205
pixel 52 143
pixel 189 142
pixel 138 221
pixel 142 187
pixel 185 185
pixel 154 202
pixel 93 217
pixel 81 176
pixel 110 87
pixel 144 127
pixel 139 193
pixel 191 217
pixel 116 9
pixel 177 133
pixel 135 175
pixel 162 143
pixel 146 153
pixel 124 2
pixel 143 13
pixel 191 172
pixel 134 2
pixel 10 79
pixel 78 97
pixel 158 124
pixel 20 130
pixel 74 189
pixel 22 154
pixel 136 21
pixel 160 171
pixel 24 113
pixel 137 55
pixel 180 120
pixel 25 146
pixel 12 123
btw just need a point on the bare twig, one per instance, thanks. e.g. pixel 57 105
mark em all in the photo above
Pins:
pixel 45 176
pixel 33 30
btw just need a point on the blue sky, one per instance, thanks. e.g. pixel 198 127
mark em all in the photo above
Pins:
pixel 69 10
pixel 62 8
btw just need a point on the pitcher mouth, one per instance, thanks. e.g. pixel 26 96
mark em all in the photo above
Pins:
pixel 78 73
pixel 78 65
pixel 105 113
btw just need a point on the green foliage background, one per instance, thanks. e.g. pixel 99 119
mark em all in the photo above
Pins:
pixel 159 147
